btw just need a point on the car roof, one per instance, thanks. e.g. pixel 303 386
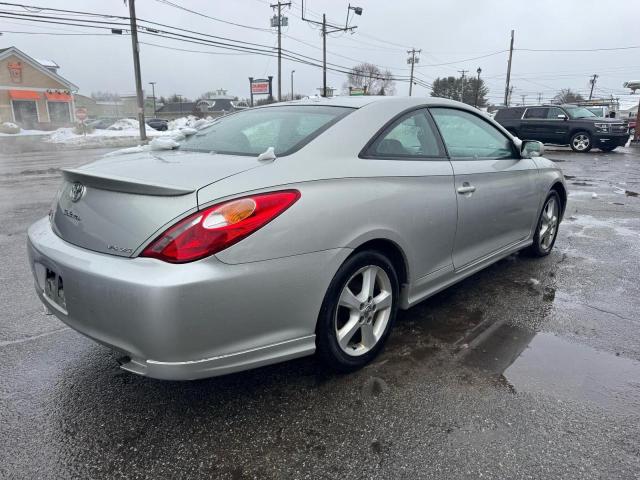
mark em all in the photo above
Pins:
pixel 361 101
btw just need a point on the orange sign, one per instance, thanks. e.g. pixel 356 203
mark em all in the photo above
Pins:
pixel 15 70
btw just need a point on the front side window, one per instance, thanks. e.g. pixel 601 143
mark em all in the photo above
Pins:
pixel 536 113
pixel 410 136
pixel 468 136
pixel 579 112
pixel 251 132
pixel 554 112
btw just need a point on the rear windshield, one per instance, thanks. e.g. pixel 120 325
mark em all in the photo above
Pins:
pixel 252 132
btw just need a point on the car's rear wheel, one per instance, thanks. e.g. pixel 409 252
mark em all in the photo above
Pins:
pixel 581 142
pixel 547 228
pixel 358 311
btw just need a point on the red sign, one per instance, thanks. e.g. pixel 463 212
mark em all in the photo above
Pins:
pixel 81 113
pixel 15 71
pixel 260 87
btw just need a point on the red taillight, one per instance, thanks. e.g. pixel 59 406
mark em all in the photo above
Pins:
pixel 215 228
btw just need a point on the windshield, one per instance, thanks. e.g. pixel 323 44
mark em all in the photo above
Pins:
pixel 579 112
pixel 252 132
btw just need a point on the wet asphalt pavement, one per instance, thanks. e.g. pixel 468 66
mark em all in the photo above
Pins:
pixel 529 369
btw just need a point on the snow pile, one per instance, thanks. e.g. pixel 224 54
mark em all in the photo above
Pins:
pixel 125 124
pixel 9 128
pixel 190 122
pixel 163 143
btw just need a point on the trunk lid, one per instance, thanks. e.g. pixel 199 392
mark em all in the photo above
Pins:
pixel 115 204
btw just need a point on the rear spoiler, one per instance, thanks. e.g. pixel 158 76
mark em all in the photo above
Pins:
pixel 124 185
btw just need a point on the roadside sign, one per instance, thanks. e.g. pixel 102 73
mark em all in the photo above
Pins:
pixel 81 113
pixel 260 87
pixel 356 92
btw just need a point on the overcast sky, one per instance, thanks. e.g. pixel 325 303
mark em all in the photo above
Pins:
pixel 446 31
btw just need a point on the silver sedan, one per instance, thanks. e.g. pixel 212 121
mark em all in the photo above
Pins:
pixel 281 231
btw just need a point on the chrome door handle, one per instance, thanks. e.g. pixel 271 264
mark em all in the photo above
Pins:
pixel 466 188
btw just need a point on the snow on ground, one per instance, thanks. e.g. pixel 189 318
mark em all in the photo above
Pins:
pixel 124 132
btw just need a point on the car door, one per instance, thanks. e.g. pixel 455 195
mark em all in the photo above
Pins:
pixel 558 126
pixel 533 124
pixel 408 153
pixel 495 188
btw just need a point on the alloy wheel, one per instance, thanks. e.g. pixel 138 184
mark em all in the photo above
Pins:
pixel 581 142
pixel 548 224
pixel 364 309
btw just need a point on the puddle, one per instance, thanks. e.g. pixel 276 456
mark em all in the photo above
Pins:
pixel 545 363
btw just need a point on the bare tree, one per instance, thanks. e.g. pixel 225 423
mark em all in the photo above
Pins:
pixel 566 95
pixel 372 79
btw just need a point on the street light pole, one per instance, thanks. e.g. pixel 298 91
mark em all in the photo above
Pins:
pixel 479 71
pixel 153 89
pixel 292 72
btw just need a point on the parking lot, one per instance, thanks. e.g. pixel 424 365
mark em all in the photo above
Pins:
pixel 529 369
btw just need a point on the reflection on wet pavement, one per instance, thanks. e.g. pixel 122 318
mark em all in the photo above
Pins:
pixel 545 363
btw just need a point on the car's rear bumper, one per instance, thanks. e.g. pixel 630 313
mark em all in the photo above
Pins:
pixel 187 321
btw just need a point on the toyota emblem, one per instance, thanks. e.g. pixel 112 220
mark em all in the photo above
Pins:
pixel 76 192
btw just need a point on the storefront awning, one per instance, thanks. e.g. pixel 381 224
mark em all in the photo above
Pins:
pixel 23 95
pixel 58 97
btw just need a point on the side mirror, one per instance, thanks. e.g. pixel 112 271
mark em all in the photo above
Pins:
pixel 531 148
pixel 562 116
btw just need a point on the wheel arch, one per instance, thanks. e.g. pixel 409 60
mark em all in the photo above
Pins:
pixel 392 251
pixel 559 188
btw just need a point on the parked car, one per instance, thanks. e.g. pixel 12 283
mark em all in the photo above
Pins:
pixel 306 231
pixel 157 123
pixel 564 125
pixel 101 123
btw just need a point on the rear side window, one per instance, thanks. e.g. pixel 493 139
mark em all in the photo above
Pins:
pixel 469 136
pixel 251 132
pixel 410 136
pixel 536 112
pixel 509 113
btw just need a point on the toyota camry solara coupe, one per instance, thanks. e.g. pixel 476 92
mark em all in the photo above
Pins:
pixel 281 231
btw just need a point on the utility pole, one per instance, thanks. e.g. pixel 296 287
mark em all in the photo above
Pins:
pixel 523 97
pixel 328 28
pixel 153 89
pixel 592 81
pixel 479 71
pixel 412 60
pixel 539 97
pixel 136 69
pixel 292 72
pixel 506 88
pixel 509 96
pixel 462 89
pixel 280 21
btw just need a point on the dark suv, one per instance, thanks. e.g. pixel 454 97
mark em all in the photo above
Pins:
pixel 564 125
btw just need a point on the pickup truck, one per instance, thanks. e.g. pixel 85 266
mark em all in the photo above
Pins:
pixel 564 125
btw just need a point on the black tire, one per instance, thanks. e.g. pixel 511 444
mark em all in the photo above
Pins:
pixel 328 348
pixel 581 142
pixel 538 248
pixel 608 148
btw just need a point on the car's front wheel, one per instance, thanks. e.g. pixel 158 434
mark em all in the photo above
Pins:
pixel 547 228
pixel 358 311
pixel 581 142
